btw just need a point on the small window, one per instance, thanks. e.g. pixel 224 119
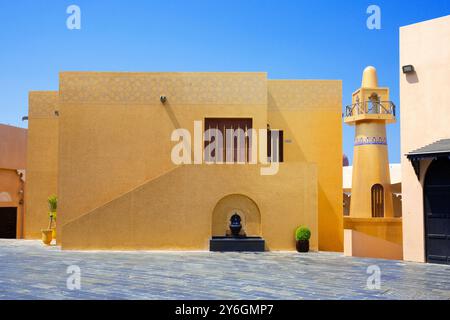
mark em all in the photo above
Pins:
pixel 377 201
pixel 228 140
pixel 275 145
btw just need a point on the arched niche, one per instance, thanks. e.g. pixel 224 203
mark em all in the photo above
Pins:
pixel 245 207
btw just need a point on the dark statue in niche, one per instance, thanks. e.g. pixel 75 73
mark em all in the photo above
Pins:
pixel 236 240
pixel 236 226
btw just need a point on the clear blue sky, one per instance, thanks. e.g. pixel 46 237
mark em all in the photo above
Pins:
pixel 315 39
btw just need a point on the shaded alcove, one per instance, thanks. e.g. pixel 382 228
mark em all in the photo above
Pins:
pixel 245 207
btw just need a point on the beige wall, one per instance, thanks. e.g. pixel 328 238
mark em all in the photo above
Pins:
pixel 309 112
pixel 359 244
pixel 425 115
pixel 13 147
pixel 42 161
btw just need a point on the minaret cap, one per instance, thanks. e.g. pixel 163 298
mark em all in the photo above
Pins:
pixel 370 78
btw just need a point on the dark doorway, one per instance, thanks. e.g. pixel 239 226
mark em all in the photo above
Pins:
pixel 8 223
pixel 437 212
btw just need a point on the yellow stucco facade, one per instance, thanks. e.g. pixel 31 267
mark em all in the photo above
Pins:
pixel 107 154
pixel 42 160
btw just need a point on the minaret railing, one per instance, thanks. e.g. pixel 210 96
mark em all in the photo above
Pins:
pixel 370 107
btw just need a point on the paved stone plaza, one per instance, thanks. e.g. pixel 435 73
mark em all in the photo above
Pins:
pixel 28 270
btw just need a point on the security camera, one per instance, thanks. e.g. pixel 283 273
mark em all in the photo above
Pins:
pixel 163 99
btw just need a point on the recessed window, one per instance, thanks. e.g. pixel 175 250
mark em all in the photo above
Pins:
pixel 227 139
pixel 377 201
pixel 275 145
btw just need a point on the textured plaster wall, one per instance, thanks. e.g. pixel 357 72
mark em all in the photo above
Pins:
pixel 239 204
pixel 309 112
pixel 371 166
pixel 389 229
pixel 424 98
pixel 118 187
pixel 175 210
pixel 13 147
pixel 42 160
pixel 115 132
pixel 359 244
pixel 10 185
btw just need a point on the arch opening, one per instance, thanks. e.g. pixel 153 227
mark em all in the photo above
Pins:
pixel 377 194
pixel 236 204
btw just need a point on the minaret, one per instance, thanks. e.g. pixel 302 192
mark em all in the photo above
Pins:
pixel 370 111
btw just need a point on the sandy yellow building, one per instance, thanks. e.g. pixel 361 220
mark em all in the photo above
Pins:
pixel 103 144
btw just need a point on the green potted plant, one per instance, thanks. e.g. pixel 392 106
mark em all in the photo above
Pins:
pixel 302 236
pixel 50 233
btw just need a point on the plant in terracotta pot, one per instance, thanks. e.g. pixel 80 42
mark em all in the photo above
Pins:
pixel 302 236
pixel 50 233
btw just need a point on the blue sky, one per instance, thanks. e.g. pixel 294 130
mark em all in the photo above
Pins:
pixel 320 39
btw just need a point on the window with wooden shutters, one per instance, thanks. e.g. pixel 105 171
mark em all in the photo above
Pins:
pixel 377 201
pixel 275 145
pixel 227 139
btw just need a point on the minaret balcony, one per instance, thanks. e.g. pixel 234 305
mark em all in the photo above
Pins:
pixel 370 110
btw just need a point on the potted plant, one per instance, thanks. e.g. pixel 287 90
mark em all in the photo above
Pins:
pixel 47 236
pixel 52 206
pixel 302 236
pixel 50 233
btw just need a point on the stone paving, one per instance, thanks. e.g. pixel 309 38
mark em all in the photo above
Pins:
pixel 29 270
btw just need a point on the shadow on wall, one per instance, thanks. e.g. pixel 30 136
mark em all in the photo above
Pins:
pixel 412 77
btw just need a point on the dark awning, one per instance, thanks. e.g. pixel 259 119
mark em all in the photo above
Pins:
pixel 435 150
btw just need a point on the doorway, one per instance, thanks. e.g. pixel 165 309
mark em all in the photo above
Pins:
pixel 437 212
pixel 8 223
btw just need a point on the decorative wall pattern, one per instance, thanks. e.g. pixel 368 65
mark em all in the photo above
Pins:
pixel 305 94
pixel 180 88
pixel 42 104
pixel 361 141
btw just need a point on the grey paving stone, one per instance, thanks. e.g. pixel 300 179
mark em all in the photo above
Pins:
pixel 30 270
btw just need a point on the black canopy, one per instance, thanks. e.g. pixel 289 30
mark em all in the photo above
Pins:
pixel 435 150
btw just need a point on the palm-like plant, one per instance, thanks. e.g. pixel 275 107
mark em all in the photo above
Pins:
pixel 52 206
